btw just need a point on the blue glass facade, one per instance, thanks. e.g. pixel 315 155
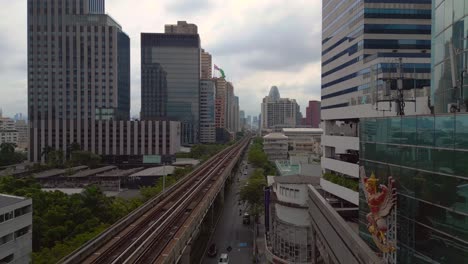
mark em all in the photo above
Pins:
pixel 179 56
pixel 123 64
pixel 450 31
pixel 428 158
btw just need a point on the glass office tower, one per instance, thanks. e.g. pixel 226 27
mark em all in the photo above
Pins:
pixel 450 56
pixel 427 156
pixel 178 55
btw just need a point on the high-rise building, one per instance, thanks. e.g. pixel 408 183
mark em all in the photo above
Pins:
pixel 207 111
pixel 178 54
pixel 242 119
pixel 449 88
pixel 250 123
pixel 153 92
pixel 312 118
pixel 221 102
pixel 79 84
pixel 374 54
pixel 79 71
pixel 426 154
pixel 237 127
pixel 21 126
pixel 18 116
pixel 182 27
pixel 278 112
pixel 206 68
pixel 8 132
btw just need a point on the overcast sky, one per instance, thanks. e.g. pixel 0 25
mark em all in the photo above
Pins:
pixel 258 43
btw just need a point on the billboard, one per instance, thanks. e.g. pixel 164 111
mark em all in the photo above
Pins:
pixel 152 159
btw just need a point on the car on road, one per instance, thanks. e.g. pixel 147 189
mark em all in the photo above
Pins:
pixel 223 259
pixel 212 250
pixel 246 219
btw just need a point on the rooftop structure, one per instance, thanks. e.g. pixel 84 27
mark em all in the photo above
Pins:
pixel 92 172
pixel 155 171
pixel 58 172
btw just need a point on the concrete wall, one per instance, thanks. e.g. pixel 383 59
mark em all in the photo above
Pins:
pixel 333 240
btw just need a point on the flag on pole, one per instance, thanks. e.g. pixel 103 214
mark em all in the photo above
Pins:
pixel 220 70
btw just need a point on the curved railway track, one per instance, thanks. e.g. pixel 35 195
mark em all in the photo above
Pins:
pixel 145 239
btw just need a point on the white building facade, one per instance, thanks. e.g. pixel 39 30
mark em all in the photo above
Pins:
pixel 288 230
pixel 15 229
pixel 279 112
pixel 8 132
pixel 275 146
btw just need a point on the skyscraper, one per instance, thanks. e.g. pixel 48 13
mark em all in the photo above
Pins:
pixel 277 111
pixel 178 54
pixel 79 85
pixel 206 68
pixel 312 118
pixel 207 111
pixel 78 70
pixel 374 54
pixel 153 92
pixel 426 155
pixel 221 102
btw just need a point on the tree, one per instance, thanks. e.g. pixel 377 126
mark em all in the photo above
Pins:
pixel 252 192
pixel 7 148
pixel 45 152
pixel 55 159
pixel 85 158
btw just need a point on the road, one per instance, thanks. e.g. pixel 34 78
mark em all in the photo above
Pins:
pixel 230 232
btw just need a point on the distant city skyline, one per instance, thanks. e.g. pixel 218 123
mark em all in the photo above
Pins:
pixel 253 58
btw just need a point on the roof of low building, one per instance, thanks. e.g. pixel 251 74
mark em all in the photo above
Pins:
pixel 298 179
pixel 184 161
pixel 92 172
pixel 6 200
pixel 155 171
pixel 119 173
pixel 57 172
pixel 303 130
pixel 275 136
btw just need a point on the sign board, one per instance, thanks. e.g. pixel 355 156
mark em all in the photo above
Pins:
pixel 153 159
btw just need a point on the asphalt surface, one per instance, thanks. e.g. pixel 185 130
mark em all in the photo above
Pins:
pixel 230 232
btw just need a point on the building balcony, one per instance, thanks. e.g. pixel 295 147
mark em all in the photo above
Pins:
pixel 340 191
pixel 342 142
pixel 339 166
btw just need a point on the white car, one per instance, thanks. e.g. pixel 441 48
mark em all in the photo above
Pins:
pixel 223 259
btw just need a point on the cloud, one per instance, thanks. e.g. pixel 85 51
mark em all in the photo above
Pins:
pixel 258 43
pixel 285 44
pixel 188 6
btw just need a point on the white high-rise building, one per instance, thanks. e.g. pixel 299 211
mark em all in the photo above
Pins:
pixel 279 112
pixel 370 50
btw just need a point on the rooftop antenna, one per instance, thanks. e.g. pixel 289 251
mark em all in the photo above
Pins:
pixel 399 100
